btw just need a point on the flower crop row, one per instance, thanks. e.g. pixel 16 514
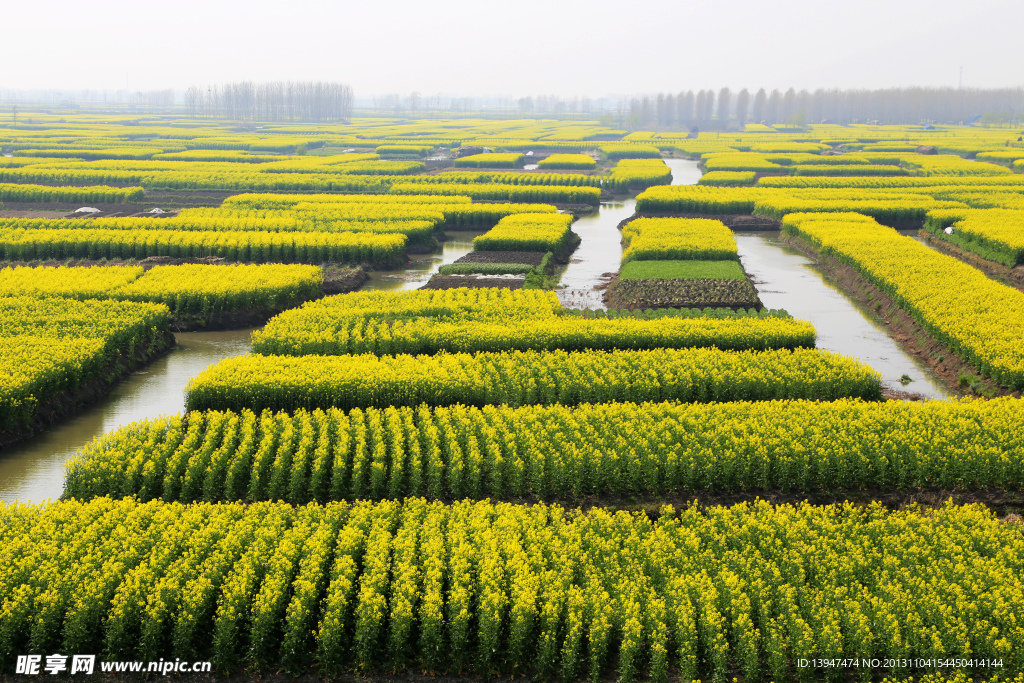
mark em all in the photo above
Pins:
pixel 512 178
pixel 320 212
pixel 45 193
pixel 620 449
pixel 416 226
pixel 491 160
pixel 51 345
pixel 371 176
pixel 739 161
pixel 568 161
pixel 303 247
pixel 776 203
pixel 640 173
pixel 821 182
pixel 501 589
pixel 728 178
pixel 630 151
pixel 72 283
pixel 657 239
pixel 563 194
pixel 213 289
pixel 527 377
pixel 995 234
pixel 187 288
pixel 527 232
pixel 976 317
pixel 467 321
pixel 288 201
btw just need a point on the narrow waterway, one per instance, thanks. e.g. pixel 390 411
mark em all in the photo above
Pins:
pixel 684 171
pixel 421 267
pixel 785 278
pixel 34 470
pixel 597 259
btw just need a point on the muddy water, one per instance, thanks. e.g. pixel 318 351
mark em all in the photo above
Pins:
pixel 34 470
pixel 787 279
pixel 597 258
pixel 684 171
pixel 422 266
pixel 600 250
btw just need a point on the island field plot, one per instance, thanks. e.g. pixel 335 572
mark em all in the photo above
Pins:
pixel 649 459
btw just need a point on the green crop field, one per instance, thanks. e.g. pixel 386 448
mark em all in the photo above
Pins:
pixel 682 270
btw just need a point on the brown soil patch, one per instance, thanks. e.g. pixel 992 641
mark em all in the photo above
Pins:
pixel 421 248
pixel 671 293
pixel 188 197
pixel 576 210
pixel 902 327
pixel 571 245
pixel 67 210
pixel 240 319
pixel 343 279
pixel 530 258
pixel 891 394
pixel 1013 277
pixel 32 214
pixel 902 223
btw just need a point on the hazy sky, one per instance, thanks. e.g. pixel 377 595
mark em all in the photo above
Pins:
pixel 502 47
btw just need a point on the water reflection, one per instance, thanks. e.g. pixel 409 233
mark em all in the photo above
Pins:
pixel 684 171
pixel 597 257
pixel 787 279
pixel 421 267
pixel 34 470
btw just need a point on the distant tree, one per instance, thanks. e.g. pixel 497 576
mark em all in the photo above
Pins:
pixel 724 104
pixel 888 106
pixel 709 106
pixel 788 105
pixel 774 107
pixel 760 105
pixel 312 101
pixel 816 106
pixel 699 105
pixel 667 110
pixel 684 107
pixel 742 105
pixel 803 101
pixel 193 101
pixel 621 106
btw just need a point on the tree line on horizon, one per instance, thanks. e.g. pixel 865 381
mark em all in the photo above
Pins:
pixel 307 101
pixel 884 106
